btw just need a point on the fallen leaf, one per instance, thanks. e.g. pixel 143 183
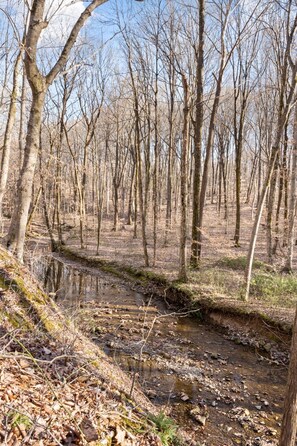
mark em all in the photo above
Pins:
pixel 120 436
pixel 89 430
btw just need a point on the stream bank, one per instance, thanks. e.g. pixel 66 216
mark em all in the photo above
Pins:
pixel 257 325
pixel 56 386
pixel 222 393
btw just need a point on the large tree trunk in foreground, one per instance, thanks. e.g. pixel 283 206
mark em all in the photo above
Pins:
pixel 289 422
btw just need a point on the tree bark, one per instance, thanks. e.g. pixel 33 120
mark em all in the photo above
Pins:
pixel 183 185
pixel 6 148
pixel 293 200
pixel 17 230
pixel 198 136
pixel 289 421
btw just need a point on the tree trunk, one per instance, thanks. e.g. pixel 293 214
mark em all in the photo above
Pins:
pixel 238 157
pixel 260 207
pixel 270 208
pixel 183 186
pixel 209 148
pixel 130 201
pixel 198 137
pixel 293 200
pixel 289 422
pixel 17 230
pixel 6 148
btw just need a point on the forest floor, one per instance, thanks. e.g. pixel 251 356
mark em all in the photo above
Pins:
pixel 219 283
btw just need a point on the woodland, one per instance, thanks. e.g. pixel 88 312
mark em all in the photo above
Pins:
pixel 157 136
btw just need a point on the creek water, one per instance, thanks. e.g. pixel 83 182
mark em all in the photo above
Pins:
pixel 184 365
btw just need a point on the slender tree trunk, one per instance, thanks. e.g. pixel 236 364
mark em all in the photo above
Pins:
pixel 238 158
pixel 155 193
pixel 209 148
pixel 22 115
pixel 253 240
pixel 183 185
pixel 6 148
pixel 130 201
pixel 135 195
pixel 280 196
pixel 270 208
pixel 101 191
pixel 286 194
pixel 282 119
pixel 251 181
pixel 198 137
pixel 293 200
pixel 170 157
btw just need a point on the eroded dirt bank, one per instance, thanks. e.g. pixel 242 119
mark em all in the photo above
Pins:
pixel 221 392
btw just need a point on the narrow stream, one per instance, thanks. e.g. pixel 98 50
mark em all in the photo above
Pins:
pixel 221 393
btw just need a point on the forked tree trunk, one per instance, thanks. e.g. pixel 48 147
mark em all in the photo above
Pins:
pixel 39 85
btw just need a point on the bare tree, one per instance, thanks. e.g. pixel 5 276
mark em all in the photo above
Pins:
pixel 39 84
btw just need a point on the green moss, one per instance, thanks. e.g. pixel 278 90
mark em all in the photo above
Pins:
pixel 3 283
pixel 16 419
pixel 18 320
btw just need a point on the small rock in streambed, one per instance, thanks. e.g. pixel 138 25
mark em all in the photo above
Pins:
pixel 184 397
pixel 151 393
pixel 215 355
pixel 199 415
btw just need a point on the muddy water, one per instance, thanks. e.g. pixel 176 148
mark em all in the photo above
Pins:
pixel 181 363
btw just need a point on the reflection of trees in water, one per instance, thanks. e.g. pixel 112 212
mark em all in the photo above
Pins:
pixel 53 275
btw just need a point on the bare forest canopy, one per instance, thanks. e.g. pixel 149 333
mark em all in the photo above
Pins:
pixel 146 113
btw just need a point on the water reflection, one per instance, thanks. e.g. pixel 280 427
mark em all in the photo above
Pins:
pixel 70 286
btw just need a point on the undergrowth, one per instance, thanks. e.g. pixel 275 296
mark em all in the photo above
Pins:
pixel 240 263
pixel 275 288
pixel 166 429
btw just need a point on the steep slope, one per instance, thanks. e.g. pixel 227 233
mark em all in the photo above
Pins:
pixel 56 386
